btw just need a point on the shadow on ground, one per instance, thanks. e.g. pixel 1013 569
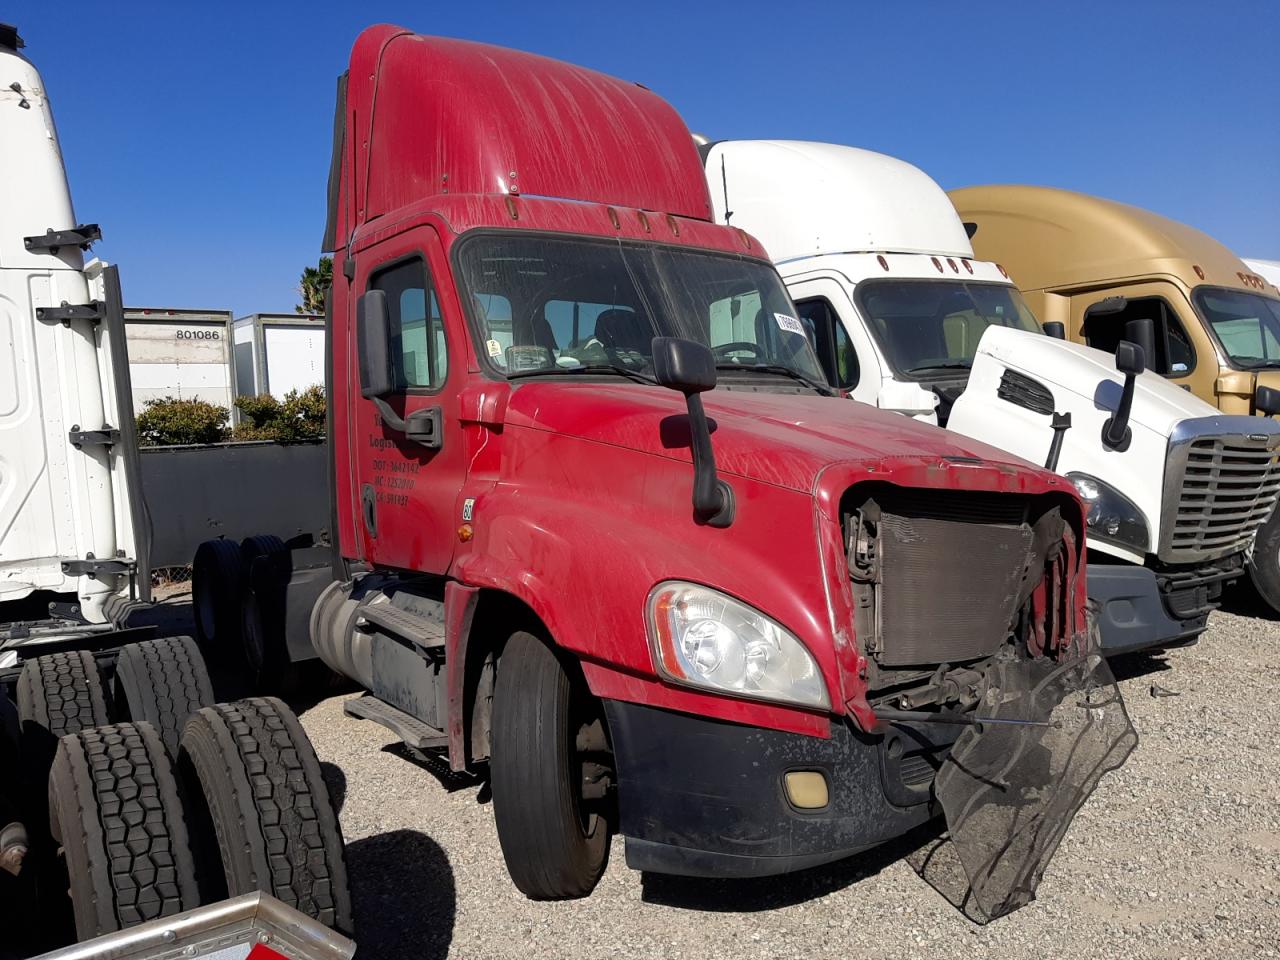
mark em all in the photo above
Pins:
pixel 1126 666
pixel 404 896
pixel 436 763
pixel 771 893
pixel 1243 600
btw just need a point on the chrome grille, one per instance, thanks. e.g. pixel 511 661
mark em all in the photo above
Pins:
pixel 1219 491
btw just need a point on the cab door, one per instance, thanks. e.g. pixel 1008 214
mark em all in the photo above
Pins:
pixel 1184 353
pixel 407 488
pixel 839 339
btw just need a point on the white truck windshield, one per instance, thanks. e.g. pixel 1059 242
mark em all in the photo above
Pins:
pixel 928 326
pixel 545 305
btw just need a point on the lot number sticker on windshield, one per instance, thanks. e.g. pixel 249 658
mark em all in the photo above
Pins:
pixel 789 324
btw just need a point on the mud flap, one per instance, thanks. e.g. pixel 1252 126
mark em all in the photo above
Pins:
pixel 1009 791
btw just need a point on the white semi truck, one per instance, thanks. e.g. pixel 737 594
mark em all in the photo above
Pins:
pixel 124 796
pixel 905 318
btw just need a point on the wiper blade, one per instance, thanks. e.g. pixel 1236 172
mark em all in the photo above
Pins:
pixel 585 368
pixel 782 369
pixel 1257 363
pixel 951 365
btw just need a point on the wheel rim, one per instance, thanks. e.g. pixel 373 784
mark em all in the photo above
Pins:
pixel 591 767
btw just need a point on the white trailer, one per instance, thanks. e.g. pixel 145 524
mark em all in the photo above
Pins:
pixel 80 689
pixel 278 353
pixel 904 317
pixel 68 473
pixel 1269 270
pixel 179 353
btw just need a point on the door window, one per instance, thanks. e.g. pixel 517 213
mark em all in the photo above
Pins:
pixel 831 341
pixel 1175 355
pixel 419 351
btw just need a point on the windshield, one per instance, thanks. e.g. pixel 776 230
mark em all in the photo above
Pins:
pixel 1246 324
pixel 926 326
pixel 551 305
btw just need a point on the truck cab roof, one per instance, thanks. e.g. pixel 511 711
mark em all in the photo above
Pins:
pixel 421 117
pixel 1052 238
pixel 854 200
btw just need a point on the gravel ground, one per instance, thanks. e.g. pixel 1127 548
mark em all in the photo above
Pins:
pixel 1176 855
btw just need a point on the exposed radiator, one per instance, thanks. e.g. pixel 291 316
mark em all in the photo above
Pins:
pixel 937 577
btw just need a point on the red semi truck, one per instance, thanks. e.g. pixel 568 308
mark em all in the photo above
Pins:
pixel 601 522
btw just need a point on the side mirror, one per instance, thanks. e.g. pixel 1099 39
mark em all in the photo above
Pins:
pixel 683 365
pixel 1267 401
pixel 1055 328
pixel 1106 306
pixel 373 338
pixel 1142 332
pixel 690 367
pixel 1131 358
pixel 1130 361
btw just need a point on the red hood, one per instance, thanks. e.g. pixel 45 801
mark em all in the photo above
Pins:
pixel 783 439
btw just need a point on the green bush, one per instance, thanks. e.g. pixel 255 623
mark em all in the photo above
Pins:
pixel 299 416
pixel 171 421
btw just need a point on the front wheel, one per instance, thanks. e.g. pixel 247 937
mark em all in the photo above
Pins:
pixel 549 784
pixel 1264 566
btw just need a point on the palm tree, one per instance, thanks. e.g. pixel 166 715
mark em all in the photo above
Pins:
pixel 315 283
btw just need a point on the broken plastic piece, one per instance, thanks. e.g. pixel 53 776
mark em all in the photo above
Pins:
pixel 1009 791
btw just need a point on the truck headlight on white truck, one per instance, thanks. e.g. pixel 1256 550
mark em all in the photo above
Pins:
pixel 1112 516
pixel 704 638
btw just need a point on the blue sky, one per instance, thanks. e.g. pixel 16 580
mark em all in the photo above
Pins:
pixel 198 135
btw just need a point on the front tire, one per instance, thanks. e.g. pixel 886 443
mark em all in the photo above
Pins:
pixel 554 844
pixel 1264 566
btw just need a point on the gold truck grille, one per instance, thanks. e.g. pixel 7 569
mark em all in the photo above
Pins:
pixel 1227 489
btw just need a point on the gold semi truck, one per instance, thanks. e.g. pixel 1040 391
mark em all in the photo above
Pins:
pixel 1110 272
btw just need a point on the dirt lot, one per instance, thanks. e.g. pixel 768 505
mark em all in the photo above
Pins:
pixel 1176 855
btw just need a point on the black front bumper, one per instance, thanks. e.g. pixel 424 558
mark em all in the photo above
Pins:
pixel 1132 614
pixel 705 798
pixel 1139 607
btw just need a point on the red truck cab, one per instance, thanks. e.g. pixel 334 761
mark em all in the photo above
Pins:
pixel 603 525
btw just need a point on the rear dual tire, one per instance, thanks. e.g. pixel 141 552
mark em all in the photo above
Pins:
pixel 217 587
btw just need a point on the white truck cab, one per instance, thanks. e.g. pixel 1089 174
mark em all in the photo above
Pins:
pixel 904 317
pixel 68 466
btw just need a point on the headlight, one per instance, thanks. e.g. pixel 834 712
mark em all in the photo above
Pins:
pixel 1112 516
pixel 703 638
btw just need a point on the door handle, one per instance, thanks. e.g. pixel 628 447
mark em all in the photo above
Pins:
pixel 424 426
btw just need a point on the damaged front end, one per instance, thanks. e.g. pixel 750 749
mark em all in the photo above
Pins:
pixel 969 610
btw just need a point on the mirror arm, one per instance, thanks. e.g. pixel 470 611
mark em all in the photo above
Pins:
pixel 389 416
pixel 713 502
pixel 421 426
pixel 1115 432
pixel 1060 425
